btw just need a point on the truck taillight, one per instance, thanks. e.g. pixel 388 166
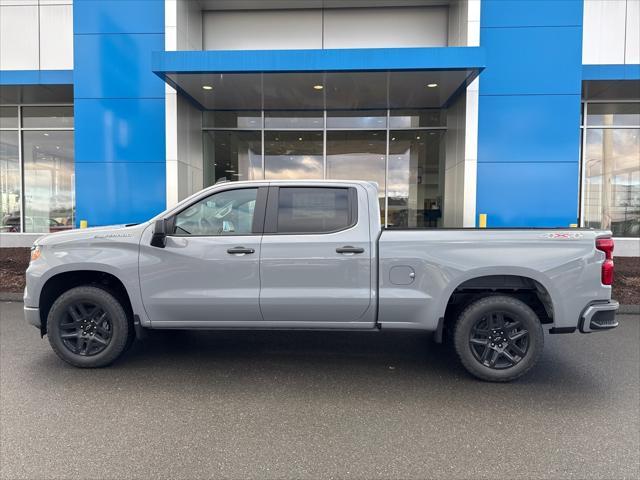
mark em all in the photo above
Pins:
pixel 606 245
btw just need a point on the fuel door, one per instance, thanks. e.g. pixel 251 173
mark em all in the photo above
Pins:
pixel 402 275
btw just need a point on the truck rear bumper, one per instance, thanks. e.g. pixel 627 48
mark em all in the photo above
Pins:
pixel 599 316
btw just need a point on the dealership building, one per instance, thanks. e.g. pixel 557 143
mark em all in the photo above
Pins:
pixel 517 113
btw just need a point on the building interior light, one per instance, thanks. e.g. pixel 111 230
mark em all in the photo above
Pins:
pixel 207 87
pixel 300 138
pixel 432 85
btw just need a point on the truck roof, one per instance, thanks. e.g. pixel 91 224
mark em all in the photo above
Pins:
pixel 295 182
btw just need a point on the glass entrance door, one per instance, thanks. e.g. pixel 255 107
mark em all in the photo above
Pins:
pixel 293 154
pixel 416 179
pixel 358 155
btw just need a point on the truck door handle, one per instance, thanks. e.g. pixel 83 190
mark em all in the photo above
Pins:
pixel 237 250
pixel 349 249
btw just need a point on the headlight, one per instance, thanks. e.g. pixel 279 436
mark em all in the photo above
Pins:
pixel 35 252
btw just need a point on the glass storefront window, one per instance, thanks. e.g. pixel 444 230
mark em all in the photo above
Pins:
pixel 293 155
pixel 302 119
pixel 8 117
pixel 357 119
pixel 615 114
pixel 416 178
pixel 417 118
pixel 612 180
pixel 232 119
pixel 49 183
pixel 47 117
pixel 232 155
pixel 9 182
pixel 406 162
pixel 358 155
pixel 37 182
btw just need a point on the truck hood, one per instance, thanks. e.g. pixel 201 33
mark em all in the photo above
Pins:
pixel 111 232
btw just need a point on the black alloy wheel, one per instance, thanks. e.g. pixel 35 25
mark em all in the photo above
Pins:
pixel 499 340
pixel 88 326
pixel 86 329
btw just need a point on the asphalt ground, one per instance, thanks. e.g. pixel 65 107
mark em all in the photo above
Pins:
pixel 316 405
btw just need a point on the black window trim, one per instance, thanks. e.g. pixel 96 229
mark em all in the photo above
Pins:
pixel 271 213
pixel 258 213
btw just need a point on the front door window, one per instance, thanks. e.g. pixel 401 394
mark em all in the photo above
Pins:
pixel 225 213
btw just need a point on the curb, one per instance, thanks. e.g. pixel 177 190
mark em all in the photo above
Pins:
pixel 629 310
pixel 10 297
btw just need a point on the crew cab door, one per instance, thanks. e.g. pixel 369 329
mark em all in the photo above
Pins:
pixel 208 273
pixel 315 265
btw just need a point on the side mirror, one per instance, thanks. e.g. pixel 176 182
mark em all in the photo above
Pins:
pixel 159 238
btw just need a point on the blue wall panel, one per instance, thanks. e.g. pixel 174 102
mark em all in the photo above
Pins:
pixel 529 113
pixel 119 111
pixel 117 66
pixel 120 192
pixel 118 16
pixel 528 194
pixel 36 77
pixel 522 129
pixel 532 60
pixel 120 130
pixel 531 13
pixel 611 72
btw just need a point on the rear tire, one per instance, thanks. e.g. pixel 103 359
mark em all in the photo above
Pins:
pixel 88 327
pixel 498 338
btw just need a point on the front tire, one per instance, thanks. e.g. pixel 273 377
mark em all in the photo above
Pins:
pixel 88 327
pixel 498 338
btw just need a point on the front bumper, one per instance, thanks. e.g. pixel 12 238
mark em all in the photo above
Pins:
pixel 32 316
pixel 599 316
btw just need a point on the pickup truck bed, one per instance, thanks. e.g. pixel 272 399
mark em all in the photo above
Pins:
pixel 313 255
pixel 562 267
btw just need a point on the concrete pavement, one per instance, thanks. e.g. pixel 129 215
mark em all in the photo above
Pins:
pixel 315 405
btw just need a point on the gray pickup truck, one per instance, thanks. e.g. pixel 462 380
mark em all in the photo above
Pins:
pixel 312 255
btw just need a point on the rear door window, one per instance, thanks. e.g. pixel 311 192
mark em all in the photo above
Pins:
pixel 315 209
